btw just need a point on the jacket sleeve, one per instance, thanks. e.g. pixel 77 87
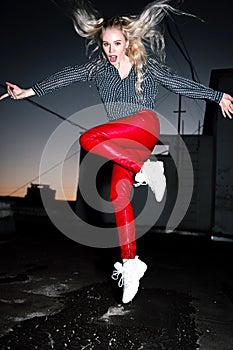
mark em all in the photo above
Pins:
pixel 65 77
pixel 183 86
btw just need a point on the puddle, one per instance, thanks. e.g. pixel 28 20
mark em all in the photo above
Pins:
pixel 114 311
pixel 20 277
pixel 157 320
pixel 52 290
pixel 29 316
pixel 13 301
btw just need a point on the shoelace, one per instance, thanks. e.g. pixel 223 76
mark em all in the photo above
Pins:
pixel 137 184
pixel 126 276
pixel 140 179
pixel 117 272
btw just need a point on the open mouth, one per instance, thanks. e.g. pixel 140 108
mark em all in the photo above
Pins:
pixel 112 58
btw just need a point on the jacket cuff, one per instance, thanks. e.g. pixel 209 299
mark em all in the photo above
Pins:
pixel 218 96
pixel 37 90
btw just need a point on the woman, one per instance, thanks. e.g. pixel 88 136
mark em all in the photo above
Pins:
pixel 127 80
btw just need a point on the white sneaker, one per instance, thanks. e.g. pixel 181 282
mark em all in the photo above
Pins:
pixel 152 173
pixel 131 271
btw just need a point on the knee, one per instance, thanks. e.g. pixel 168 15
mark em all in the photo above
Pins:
pixel 87 140
pixel 91 138
pixel 84 139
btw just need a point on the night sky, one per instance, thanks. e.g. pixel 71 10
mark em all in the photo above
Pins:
pixel 37 39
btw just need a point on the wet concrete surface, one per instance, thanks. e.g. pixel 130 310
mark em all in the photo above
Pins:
pixel 57 294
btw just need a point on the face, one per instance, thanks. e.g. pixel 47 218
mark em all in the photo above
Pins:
pixel 114 45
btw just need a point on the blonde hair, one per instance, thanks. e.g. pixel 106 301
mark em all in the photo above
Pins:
pixel 143 32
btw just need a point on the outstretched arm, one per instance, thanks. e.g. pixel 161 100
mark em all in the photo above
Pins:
pixel 226 105
pixel 192 89
pixel 58 80
pixel 15 92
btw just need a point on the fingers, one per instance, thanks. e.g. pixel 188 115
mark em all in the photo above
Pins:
pixel 4 96
pixel 11 90
pixel 227 111
pixel 227 114
pixel 10 84
pixel 226 105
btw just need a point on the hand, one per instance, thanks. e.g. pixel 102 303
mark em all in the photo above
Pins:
pixel 15 92
pixel 226 105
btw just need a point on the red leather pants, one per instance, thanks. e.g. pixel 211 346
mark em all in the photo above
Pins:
pixel 128 142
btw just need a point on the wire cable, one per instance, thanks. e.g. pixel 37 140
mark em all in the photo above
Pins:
pixel 186 56
pixel 42 174
pixel 186 51
pixel 38 105
pixel 181 50
pixel 56 165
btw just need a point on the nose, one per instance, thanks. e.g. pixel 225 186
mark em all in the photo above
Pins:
pixel 110 49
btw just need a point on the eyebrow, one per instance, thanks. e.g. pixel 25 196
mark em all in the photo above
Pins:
pixel 105 41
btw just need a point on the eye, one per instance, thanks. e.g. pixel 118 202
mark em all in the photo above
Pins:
pixel 105 44
pixel 118 43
